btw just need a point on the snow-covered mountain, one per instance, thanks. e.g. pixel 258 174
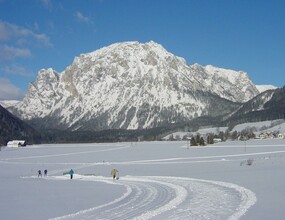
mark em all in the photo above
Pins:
pixel 131 85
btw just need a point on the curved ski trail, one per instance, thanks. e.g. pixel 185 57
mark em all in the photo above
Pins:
pixel 160 197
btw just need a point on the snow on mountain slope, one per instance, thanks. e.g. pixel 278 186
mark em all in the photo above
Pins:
pixel 263 88
pixel 229 84
pixel 260 126
pixel 131 85
pixel 8 103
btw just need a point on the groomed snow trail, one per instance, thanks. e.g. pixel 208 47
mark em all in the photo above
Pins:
pixel 161 197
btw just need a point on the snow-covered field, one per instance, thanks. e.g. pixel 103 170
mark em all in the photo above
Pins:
pixel 158 180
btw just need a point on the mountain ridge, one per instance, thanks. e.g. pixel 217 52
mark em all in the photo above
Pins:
pixel 131 85
pixel 12 128
pixel 268 105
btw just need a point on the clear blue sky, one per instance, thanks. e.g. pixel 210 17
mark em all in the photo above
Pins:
pixel 246 35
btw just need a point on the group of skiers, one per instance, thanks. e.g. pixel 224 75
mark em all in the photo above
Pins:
pixel 71 173
pixel 40 173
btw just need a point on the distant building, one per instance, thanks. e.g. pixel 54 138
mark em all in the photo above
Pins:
pixel 16 143
pixel 263 136
pixel 217 140
pixel 281 136
pixel 242 138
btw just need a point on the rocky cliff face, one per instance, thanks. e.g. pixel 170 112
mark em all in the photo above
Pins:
pixel 131 85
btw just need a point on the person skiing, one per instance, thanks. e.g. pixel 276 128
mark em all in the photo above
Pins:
pixel 45 172
pixel 71 172
pixel 39 173
pixel 114 173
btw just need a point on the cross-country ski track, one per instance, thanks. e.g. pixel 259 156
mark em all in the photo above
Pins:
pixel 157 197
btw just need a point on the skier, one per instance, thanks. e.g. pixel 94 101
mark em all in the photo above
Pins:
pixel 45 172
pixel 71 172
pixel 114 173
pixel 39 173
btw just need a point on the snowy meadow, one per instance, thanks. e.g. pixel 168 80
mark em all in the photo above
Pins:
pixel 157 180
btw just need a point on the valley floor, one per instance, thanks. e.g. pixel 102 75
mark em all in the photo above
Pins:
pixel 157 180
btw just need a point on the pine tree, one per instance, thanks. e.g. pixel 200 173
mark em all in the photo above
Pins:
pixel 193 142
pixel 202 142
pixel 210 139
